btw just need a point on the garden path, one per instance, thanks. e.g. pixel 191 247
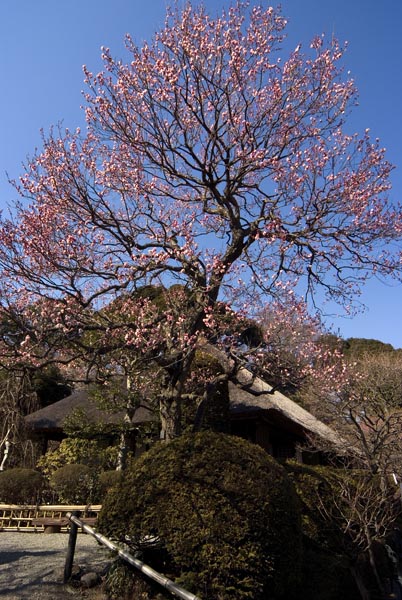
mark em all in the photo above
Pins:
pixel 32 564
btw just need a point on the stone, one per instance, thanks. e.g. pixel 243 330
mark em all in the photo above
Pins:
pixel 90 580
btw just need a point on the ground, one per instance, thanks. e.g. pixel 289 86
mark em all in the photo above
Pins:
pixel 32 565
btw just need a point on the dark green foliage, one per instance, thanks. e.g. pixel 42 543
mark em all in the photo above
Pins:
pixel 74 450
pixel 108 479
pixel 121 581
pixel 21 486
pixel 252 335
pixel 155 293
pixel 78 425
pixel 225 512
pixel 75 484
pixel 128 584
pixel 50 385
pixel 327 555
pixel 326 576
pixel 214 414
pixel 356 347
pixel 317 489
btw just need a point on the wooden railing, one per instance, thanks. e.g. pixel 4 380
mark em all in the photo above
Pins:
pixel 16 517
pixel 169 585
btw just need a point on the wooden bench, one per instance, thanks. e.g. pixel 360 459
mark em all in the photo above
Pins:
pixel 51 525
pixel 54 525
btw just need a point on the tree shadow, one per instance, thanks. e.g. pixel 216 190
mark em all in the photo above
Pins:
pixel 20 583
pixel 10 556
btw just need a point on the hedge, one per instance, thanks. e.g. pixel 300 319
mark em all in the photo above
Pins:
pixel 225 513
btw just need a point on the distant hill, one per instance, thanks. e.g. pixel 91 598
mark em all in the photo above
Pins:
pixel 358 346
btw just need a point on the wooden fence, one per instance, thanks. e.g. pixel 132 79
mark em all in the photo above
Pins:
pixel 15 517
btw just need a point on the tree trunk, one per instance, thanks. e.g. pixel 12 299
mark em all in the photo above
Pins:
pixel 5 455
pixel 170 413
pixel 373 564
pixel 123 451
pixel 364 593
pixel 127 442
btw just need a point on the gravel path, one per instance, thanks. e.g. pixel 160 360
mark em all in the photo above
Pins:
pixel 32 564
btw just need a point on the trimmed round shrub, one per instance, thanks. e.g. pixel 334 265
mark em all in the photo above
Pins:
pixel 75 484
pixel 225 513
pixel 21 486
pixel 107 480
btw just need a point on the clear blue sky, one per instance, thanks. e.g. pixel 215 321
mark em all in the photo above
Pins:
pixel 44 43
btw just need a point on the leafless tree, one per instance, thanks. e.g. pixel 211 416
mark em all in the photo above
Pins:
pixel 366 410
pixel 16 400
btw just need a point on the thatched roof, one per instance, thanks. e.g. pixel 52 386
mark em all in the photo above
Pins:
pixel 251 397
pixel 51 418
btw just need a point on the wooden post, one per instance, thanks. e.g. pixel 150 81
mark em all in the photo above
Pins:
pixel 72 539
pixel 172 587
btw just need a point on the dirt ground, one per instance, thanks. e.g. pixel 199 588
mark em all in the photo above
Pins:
pixel 32 565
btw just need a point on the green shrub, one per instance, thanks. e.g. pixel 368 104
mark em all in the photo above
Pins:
pixel 128 584
pixel 21 486
pixel 326 554
pixel 225 513
pixel 107 480
pixel 75 484
pixel 78 451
